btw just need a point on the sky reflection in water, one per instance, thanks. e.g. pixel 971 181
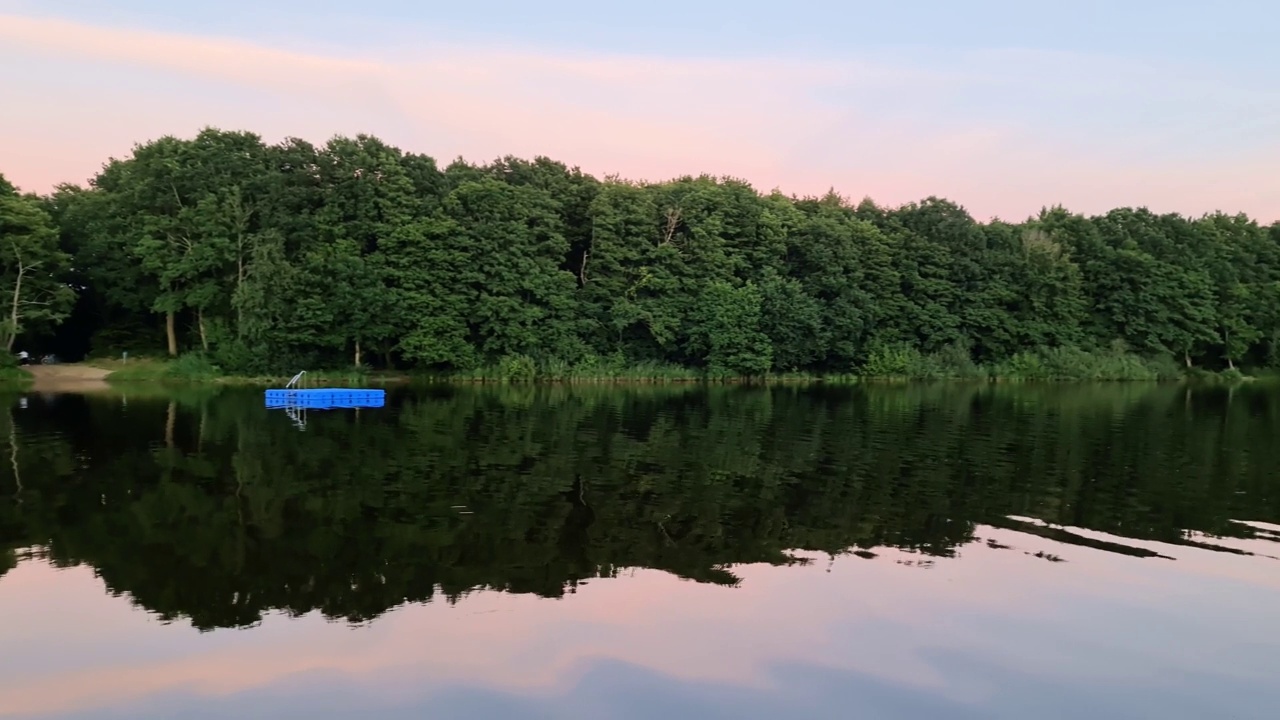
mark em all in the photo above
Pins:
pixel 994 633
pixel 1001 617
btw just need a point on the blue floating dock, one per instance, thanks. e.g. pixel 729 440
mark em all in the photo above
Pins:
pixel 319 398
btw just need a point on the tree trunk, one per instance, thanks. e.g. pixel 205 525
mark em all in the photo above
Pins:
pixel 171 333
pixel 17 302
pixel 13 317
pixel 1231 364
pixel 204 339
pixel 1186 357
pixel 357 353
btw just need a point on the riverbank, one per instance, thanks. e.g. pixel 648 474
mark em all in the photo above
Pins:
pixel 73 377
pixel 54 378
pixel 193 369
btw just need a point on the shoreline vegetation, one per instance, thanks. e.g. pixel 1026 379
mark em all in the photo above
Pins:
pixel 1063 367
pixel 221 258
pixel 1054 368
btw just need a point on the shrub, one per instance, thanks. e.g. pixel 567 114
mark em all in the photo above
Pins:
pixel 893 360
pixel 192 366
pixel 517 368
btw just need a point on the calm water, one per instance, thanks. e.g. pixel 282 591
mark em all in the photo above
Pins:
pixel 910 552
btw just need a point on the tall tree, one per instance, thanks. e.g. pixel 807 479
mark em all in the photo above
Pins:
pixel 32 268
pixel 523 299
pixel 292 254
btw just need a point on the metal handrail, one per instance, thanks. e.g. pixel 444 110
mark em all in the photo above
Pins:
pixel 295 380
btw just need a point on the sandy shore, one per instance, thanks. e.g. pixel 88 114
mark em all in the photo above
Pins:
pixel 67 378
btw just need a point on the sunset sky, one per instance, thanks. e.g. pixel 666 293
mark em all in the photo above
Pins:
pixel 1001 105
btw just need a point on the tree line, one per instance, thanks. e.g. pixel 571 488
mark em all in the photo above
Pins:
pixel 200 506
pixel 272 257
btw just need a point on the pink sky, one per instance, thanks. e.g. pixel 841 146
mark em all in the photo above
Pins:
pixel 866 127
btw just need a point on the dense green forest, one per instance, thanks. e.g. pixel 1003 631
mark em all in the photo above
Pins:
pixel 202 506
pixel 271 258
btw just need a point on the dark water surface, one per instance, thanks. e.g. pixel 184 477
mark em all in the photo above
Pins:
pixel 913 552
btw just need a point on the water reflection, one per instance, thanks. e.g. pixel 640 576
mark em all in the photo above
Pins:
pixel 213 510
pixel 999 635
pixel 915 552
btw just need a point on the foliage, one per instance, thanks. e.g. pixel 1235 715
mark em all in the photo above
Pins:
pixel 12 376
pixel 190 367
pixel 34 294
pixel 212 512
pixel 271 258
pixel 517 368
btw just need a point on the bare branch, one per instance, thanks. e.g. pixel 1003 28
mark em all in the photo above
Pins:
pixel 673 218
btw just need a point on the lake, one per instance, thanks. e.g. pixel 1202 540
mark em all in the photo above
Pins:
pixel 916 551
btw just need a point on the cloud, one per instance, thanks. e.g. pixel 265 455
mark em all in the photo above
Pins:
pixel 1002 132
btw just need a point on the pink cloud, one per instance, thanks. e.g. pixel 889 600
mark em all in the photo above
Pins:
pixel 800 126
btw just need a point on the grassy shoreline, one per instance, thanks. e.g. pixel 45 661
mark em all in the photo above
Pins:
pixel 180 371
pixel 15 378
pixel 186 371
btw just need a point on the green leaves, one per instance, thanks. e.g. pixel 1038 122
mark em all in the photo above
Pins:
pixel 353 251
pixel 728 330
pixel 32 270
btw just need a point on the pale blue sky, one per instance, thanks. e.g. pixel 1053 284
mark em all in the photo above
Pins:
pixel 1237 34
pixel 1002 105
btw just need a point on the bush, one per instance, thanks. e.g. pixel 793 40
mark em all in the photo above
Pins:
pixel 237 357
pixel 192 366
pixel 898 360
pixel 556 369
pixel 11 374
pixel 956 361
pixel 1069 363
pixel 1233 375
pixel 517 368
